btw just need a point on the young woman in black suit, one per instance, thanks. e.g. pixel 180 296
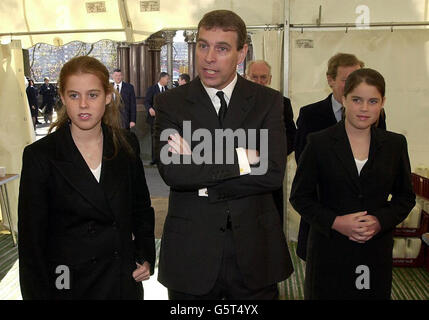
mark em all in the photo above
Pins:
pixel 342 188
pixel 86 225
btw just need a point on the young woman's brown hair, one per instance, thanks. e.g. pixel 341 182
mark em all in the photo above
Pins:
pixel 111 117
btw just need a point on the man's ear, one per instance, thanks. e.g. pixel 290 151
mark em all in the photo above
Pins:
pixel 330 80
pixel 242 54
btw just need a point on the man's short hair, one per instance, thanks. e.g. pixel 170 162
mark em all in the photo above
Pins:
pixel 162 75
pixel 342 60
pixel 185 77
pixel 227 21
pixel 117 70
pixel 46 78
pixel 251 63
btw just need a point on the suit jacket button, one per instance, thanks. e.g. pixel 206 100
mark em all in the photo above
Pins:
pixel 222 229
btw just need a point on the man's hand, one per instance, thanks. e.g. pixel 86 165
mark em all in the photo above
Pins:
pixel 152 112
pixel 178 145
pixel 252 156
pixel 142 272
pixel 132 124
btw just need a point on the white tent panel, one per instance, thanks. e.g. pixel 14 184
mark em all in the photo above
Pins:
pixel 307 11
pixel 120 20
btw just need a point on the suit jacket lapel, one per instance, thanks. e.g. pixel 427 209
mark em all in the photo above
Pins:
pixel 242 100
pixel 114 169
pixel 202 107
pixel 76 172
pixel 377 139
pixel 327 112
pixel 343 151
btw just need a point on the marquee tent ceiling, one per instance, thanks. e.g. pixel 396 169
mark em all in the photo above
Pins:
pixel 58 22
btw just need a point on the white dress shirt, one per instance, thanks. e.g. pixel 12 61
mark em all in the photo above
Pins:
pixel 243 162
pixel 336 107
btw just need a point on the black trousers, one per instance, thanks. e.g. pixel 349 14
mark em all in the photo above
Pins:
pixel 230 284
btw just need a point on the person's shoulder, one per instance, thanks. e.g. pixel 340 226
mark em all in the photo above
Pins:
pixel 314 107
pixel 390 136
pixel 43 147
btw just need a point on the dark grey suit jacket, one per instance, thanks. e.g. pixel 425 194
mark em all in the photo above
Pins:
pixel 129 109
pixel 194 231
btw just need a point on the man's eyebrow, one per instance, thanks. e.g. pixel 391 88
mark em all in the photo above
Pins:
pixel 216 44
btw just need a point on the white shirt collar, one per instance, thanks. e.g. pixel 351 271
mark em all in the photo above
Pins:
pixel 160 87
pixel 336 108
pixel 227 91
pixel 118 84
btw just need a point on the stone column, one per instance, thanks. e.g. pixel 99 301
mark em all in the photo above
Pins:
pixel 144 68
pixel 155 42
pixel 190 37
pixel 134 71
pixel 124 60
pixel 169 36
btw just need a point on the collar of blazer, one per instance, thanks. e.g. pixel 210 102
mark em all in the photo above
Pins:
pixel 76 172
pixel 326 110
pixel 242 100
pixel 343 151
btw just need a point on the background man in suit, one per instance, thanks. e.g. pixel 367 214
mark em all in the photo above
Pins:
pixel 259 71
pixel 128 97
pixel 48 91
pixel 184 79
pixel 151 93
pixel 324 114
pixel 222 236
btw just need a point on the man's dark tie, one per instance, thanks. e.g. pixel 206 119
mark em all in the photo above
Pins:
pixel 223 107
pixel 117 87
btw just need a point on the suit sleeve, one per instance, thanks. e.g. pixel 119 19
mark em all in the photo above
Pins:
pixel 403 197
pixel 133 106
pixel 304 197
pixel 301 134
pixel 181 173
pixel 143 213
pixel 33 209
pixel 274 162
pixel 148 99
pixel 289 125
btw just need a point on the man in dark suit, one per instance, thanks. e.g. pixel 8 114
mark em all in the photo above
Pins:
pixel 324 114
pixel 48 91
pixel 222 235
pixel 151 93
pixel 259 71
pixel 184 78
pixel 128 98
